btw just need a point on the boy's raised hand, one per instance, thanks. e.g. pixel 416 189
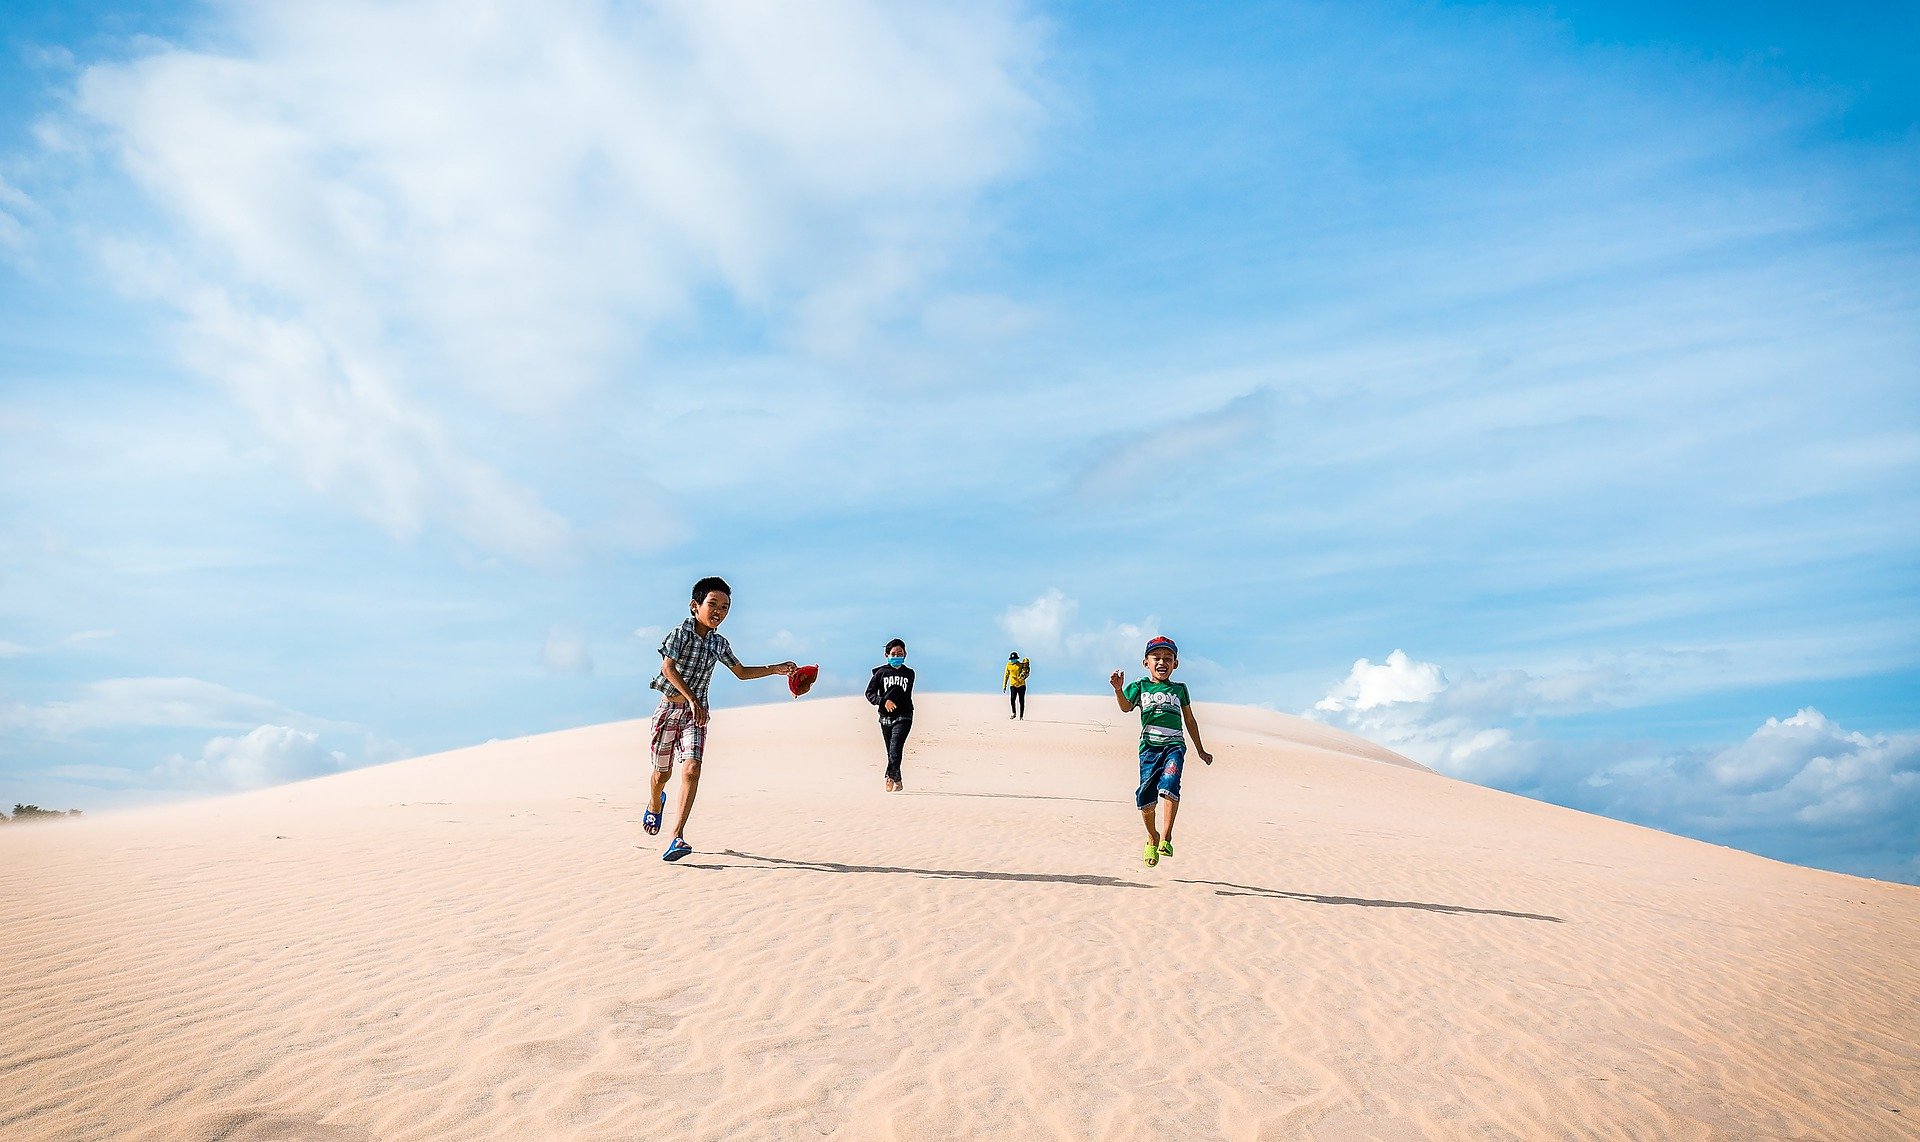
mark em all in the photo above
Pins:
pixel 1116 680
pixel 784 668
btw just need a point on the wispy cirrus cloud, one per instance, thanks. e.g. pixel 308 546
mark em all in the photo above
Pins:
pixel 1148 461
pixel 390 230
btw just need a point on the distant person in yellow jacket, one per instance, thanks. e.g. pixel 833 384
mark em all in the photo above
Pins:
pixel 1014 682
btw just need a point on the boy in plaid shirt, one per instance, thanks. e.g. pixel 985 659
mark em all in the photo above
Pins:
pixel 687 658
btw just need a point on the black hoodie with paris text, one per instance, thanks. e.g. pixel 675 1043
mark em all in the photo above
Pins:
pixel 895 684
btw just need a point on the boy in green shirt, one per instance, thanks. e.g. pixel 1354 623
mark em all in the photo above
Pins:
pixel 1165 709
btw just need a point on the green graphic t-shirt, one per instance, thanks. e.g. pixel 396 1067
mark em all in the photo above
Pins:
pixel 1160 706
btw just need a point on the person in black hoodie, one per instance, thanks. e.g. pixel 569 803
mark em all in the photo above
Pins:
pixel 891 689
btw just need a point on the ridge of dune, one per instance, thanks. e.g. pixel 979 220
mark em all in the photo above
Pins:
pixel 481 943
pixel 493 769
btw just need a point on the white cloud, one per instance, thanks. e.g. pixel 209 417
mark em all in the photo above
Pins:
pixel 1777 751
pixel 395 229
pixel 566 652
pixel 1809 769
pixel 1049 628
pixel 1042 624
pixel 13 649
pixel 1398 679
pixel 266 755
pixel 1622 679
pixel 1411 707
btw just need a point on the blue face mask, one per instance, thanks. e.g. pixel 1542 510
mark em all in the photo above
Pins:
pixel 896 660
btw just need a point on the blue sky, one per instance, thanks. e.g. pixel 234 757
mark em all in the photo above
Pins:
pixel 1529 388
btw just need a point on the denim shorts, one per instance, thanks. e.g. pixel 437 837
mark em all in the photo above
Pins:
pixel 1159 773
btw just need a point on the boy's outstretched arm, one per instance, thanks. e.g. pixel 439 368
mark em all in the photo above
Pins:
pixel 743 673
pixel 1193 731
pixel 1117 680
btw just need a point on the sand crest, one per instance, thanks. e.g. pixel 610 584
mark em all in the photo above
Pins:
pixel 483 944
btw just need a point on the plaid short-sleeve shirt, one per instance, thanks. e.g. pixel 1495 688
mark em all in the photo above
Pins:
pixel 694 656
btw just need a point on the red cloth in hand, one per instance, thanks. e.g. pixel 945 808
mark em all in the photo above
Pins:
pixel 802 679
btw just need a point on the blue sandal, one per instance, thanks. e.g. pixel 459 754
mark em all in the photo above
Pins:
pixel 676 849
pixel 651 823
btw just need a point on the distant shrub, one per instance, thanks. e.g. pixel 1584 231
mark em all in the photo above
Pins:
pixel 23 813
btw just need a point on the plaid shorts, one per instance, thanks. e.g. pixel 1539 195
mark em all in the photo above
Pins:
pixel 675 735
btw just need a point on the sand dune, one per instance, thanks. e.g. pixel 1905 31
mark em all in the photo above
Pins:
pixel 483 944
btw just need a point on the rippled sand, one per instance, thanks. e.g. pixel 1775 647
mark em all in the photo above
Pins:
pixel 483 944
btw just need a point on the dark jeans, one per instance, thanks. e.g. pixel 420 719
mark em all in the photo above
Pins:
pixel 895 735
pixel 1017 700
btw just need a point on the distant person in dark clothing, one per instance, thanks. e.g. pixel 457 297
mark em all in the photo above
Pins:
pixel 1014 682
pixel 891 689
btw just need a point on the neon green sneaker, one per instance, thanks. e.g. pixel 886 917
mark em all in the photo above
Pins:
pixel 1166 848
pixel 1153 854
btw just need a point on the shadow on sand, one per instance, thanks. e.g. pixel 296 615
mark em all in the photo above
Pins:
pixel 930 873
pixel 1223 888
pixel 1015 796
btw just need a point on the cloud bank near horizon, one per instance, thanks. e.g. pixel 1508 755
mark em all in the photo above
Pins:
pixel 1799 788
pixel 263 742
